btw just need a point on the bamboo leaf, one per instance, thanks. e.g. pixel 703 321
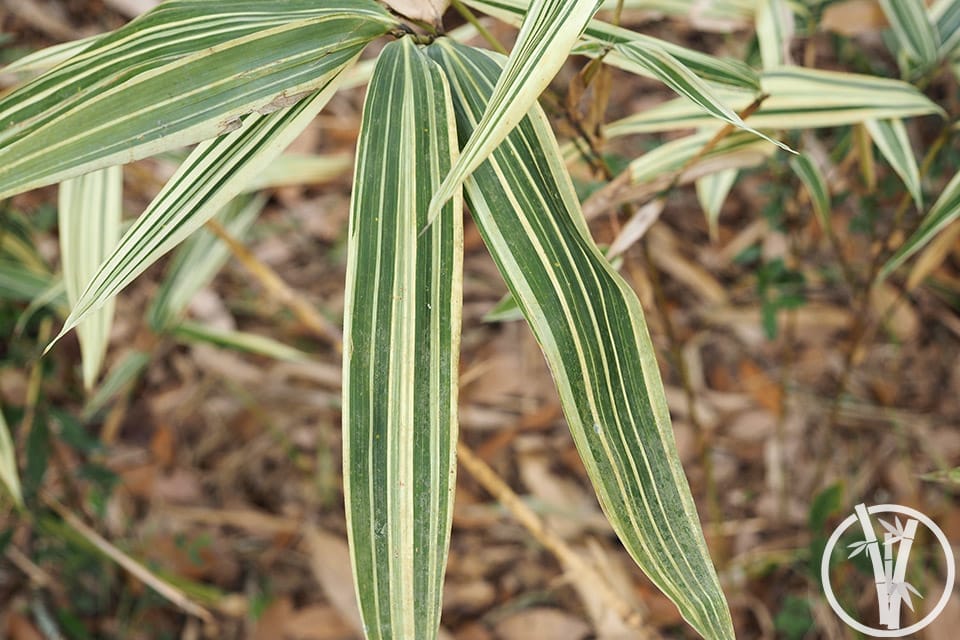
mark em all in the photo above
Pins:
pixel 401 348
pixel 9 474
pixel 946 16
pixel 549 31
pixel 182 73
pixel 120 376
pixel 197 261
pixel 214 173
pixel 944 211
pixel 798 98
pixel 292 169
pixel 775 27
pixel 90 213
pixel 591 328
pixel 48 57
pixel 891 138
pixel 816 185
pixel 712 192
pixel 662 162
pixel 914 30
pixel 709 15
pixel 238 341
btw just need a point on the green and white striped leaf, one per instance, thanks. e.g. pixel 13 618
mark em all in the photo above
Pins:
pixel 944 211
pixel 662 162
pixel 90 213
pixel 212 175
pixel 712 192
pixel 798 99
pixel 775 26
pixel 182 73
pixel 49 57
pixel 9 473
pixel 238 341
pixel 891 138
pixel 591 328
pixel 712 15
pixel 549 31
pixel 946 16
pixel 915 32
pixel 198 260
pixel 816 185
pixel 401 348
pixel 724 71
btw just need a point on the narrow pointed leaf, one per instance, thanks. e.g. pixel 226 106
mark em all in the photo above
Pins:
pixel 182 73
pixel 714 15
pixel 946 16
pixel 401 342
pixel 549 31
pixel 774 31
pixel 712 192
pixel 891 138
pixel 198 260
pixel 9 474
pixel 90 212
pixel 661 163
pixel 238 341
pixel 944 211
pixel 591 328
pixel 915 33
pixel 214 173
pixel 48 57
pixel 816 185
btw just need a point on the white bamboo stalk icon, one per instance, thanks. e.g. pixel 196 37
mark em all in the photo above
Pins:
pixel 889 576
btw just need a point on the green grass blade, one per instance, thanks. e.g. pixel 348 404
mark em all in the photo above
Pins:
pixel 591 328
pixel 9 474
pixel 891 138
pixel 915 32
pixel 712 192
pixel 214 173
pixel 90 213
pixel 182 73
pixel 198 260
pixel 549 31
pixel 775 27
pixel 599 35
pixel 944 211
pixel 401 347
pixel 816 185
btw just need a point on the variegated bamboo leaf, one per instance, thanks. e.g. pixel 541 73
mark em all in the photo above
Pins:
pixel 599 36
pixel 184 72
pixel 49 57
pixel 712 192
pixel 549 31
pixel 214 173
pixel 946 16
pixel 891 138
pixel 9 474
pixel 798 98
pixel 401 343
pixel 591 328
pixel 816 185
pixel 914 30
pixel 662 162
pixel 90 212
pixel 302 169
pixel 708 15
pixel 238 341
pixel 775 26
pixel 944 211
pixel 197 261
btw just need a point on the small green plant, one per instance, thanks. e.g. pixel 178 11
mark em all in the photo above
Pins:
pixel 443 123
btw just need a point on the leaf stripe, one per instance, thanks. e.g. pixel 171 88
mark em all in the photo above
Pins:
pixel 891 138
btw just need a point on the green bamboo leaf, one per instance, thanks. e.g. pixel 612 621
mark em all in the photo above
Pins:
pixel 90 212
pixel 120 376
pixel 775 27
pixel 816 185
pixel 944 211
pixel 599 36
pixel 182 73
pixel 198 260
pixel 946 16
pixel 238 341
pixel 891 138
pixel 401 347
pixel 798 98
pixel 20 283
pixel 214 173
pixel 590 326
pixel 549 31
pixel 915 32
pixel 712 192
pixel 9 474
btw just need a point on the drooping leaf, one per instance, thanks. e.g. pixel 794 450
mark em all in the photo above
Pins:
pixel 891 138
pixel 915 32
pixel 549 31
pixel 90 212
pixel 214 173
pixel 944 211
pixel 798 98
pixel 9 474
pixel 816 185
pixel 712 192
pixel 774 31
pixel 591 328
pixel 182 73
pixel 401 341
